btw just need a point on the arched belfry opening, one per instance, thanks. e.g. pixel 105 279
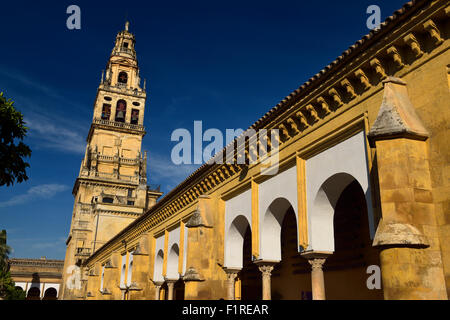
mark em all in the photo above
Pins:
pixel 123 77
pixel 121 110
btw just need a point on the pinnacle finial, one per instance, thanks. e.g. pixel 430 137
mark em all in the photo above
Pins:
pixel 127 24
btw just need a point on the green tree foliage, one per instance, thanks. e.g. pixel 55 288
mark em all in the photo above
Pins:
pixel 12 151
pixel 8 290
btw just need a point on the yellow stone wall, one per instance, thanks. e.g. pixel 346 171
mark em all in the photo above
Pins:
pixel 414 189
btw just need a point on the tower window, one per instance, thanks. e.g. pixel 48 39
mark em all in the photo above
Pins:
pixel 134 116
pixel 125 44
pixel 130 193
pixel 106 111
pixel 123 77
pixel 121 109
pixel 107 200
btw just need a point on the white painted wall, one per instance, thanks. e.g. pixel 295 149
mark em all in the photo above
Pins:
pixel 342 163
pixel 23 285
pixel 130 269
pixel 172 261
pixel 185 250
pixel 158 270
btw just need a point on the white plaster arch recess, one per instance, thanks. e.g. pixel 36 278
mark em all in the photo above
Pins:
pixel 238 216
pixel 276 196
pixel 327 175
pixel 159 259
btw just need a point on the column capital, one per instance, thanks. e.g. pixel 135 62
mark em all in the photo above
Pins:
pixel 316 254
pixel 266 266
pixel 171 281
pixel 317 263
pixel 158 283
pixel 231 272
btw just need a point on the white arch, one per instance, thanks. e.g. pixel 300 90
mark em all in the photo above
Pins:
pixel 158 272
pixel 327 175
pixel 276 195
pixel 271 223
pixel 130 269
pixel 234 242
pixel 102 278
pixel 324 205
pixel 122 270
pixel 172 262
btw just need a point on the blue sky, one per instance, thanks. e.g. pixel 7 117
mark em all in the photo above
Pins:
pixel 225 63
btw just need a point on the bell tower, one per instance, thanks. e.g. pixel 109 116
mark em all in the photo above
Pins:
pixel 111 189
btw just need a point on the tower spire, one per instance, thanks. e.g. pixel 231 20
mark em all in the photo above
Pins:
pixel 127 25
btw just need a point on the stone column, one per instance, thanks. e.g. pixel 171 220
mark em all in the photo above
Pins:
pixel 157 289
pixel 231 280
pixel 266 268
pixel 316 260
pixel 170 284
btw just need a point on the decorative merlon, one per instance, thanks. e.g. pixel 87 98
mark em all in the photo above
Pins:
pixel 414 45
pixel 105 291
pixel 109 264
pixel 399 234
pixel 140 251
pixel 197 220
pixel 134 287
pixel 192 275
pixel 397 116
pixel 433 31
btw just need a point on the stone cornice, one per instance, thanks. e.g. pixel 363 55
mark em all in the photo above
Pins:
pixel 36 263
pixel 119 184
pixel 39 274
pixel 115 126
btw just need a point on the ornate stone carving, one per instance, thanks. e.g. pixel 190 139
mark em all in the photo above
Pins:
pixel 336 97
pixel 317 263
pixel 312 112
pixel 348 88
pixel 266 269
pixel 414 45
pixel 293 125
pixel 324 105
pixel 378 68
pixel 363 79
pixel 393 52
pixel 302 119
pixel 192 274
pixel 433 31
